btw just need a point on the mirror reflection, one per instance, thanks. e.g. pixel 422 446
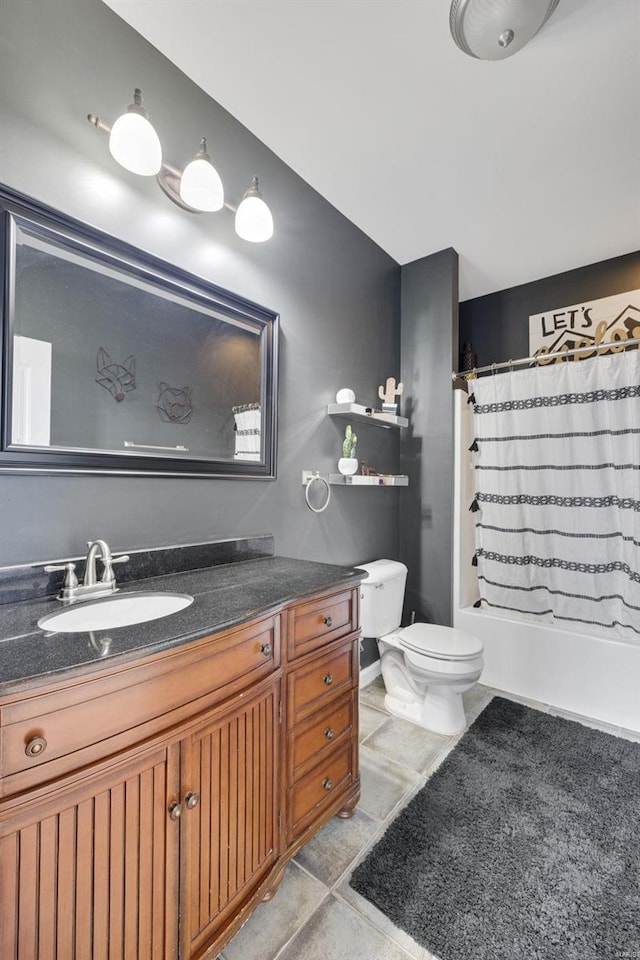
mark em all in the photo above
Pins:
pixel 110 357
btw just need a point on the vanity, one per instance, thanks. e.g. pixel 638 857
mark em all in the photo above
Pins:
pixel 155 782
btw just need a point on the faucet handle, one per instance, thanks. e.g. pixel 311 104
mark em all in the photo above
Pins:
pixel 70 579
pixel 108 562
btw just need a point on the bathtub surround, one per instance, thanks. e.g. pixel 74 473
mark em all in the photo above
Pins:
pixel 523 842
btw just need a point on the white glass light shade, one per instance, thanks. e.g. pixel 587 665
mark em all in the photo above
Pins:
pixel 253 217
pixel 135 145
pixel 201 186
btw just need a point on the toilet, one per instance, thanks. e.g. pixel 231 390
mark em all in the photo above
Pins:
pixel 425 667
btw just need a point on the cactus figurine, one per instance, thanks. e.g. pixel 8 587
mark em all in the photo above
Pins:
pixel 388 394
pixel 347 464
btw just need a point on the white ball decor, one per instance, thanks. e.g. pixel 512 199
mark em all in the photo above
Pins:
pixel 345 395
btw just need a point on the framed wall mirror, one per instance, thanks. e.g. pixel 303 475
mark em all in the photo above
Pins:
pixel 114 360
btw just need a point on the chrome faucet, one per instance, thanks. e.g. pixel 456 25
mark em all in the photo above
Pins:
pixel 72 591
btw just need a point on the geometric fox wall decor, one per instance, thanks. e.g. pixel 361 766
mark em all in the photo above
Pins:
pixel 117 378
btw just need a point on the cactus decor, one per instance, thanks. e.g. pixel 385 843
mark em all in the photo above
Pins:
pixel 349 442
pixel 388 394
pixel 347 464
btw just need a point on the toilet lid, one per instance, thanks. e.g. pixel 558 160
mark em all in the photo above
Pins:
pixel 445 643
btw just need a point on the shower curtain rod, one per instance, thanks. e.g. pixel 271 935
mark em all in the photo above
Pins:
pixel 492 367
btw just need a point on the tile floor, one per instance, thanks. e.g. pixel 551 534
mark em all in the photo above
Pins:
pixel 315 914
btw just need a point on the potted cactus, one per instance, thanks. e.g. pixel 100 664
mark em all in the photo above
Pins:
pixel 347 464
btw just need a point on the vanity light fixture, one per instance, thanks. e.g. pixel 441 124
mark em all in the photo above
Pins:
pixel 200 183
pixel 134 143
pixel 496 29
pixel 253 217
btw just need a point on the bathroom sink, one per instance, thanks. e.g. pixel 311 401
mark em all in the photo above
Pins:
pixel 114 611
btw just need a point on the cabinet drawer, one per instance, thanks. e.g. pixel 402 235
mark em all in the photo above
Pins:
pixel 317 622
pixel 322 679
pixel 320 787
pixel 68 724
pixel 316 736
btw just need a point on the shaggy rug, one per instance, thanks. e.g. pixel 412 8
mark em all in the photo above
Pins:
pixel 523 845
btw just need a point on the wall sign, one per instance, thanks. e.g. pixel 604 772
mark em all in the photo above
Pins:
pixel 586 325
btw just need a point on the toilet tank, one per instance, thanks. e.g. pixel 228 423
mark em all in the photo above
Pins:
pixel 382 597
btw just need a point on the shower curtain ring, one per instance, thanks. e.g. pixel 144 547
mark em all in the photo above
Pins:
pixel 510 366
pixel 493 369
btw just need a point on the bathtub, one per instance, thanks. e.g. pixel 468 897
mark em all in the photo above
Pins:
pixel 590 676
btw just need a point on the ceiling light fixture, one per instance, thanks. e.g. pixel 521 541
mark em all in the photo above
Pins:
pixel 134 143
pixel 496 29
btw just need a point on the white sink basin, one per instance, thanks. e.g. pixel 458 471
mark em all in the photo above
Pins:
pixel 115 611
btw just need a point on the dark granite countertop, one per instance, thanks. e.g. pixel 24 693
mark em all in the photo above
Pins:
pixel 224 595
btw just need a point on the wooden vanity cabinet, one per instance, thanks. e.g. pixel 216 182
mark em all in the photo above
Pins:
pixel 154 833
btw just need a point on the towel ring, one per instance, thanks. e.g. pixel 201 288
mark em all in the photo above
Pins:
pixel 316 476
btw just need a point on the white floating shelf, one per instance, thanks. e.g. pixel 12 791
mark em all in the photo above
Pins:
pixel 357 480
pixel 356 411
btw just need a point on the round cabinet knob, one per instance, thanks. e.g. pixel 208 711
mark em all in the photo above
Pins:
pixel 328 679
pixel 192 800
pixel 327 784
pixel 175 811
pixel 35 747
pixel 266 649
pixel 329 734
pixel 328 621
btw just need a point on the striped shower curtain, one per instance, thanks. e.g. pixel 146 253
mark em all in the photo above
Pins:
pixel 557 505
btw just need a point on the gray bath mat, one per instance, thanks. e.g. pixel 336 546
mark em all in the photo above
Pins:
pixel 524 845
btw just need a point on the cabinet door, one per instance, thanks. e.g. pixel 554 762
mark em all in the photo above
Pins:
pixel 229 774
pixel 88 872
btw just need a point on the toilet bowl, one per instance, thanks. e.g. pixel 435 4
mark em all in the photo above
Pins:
pixel 425 667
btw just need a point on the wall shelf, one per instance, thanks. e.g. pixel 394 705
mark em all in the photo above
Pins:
pixel 356 411
pixel 357 480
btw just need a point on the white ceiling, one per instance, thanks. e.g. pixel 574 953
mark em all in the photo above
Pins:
pixel 527 166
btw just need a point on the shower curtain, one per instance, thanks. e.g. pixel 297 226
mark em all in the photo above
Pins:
pixel 557 505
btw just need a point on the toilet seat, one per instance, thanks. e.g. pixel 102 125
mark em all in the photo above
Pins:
pixel 440 643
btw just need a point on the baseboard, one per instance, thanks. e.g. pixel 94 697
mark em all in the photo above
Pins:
pixel 368 674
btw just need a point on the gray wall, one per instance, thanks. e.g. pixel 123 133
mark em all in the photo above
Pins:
pixel 337 293
pixel 429 348
pixel 498 325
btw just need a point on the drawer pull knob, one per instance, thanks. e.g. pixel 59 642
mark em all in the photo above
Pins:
pixel 192 800
pixel 327 784
pixel 328 621
pixel 329 734
pixel 266 649
pixel 175 811
pixel 328 679
pixel 35 747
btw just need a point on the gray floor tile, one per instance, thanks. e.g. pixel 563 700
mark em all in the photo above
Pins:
pixel 336 932
pixel 384 783
pixel 370 720
pixel 407 743
pixel 475 700
pixel 382 922
pixel 336 846
pixel 273 924
pixel 373 694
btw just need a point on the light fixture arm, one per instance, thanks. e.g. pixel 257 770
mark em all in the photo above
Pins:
pixel 169 177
